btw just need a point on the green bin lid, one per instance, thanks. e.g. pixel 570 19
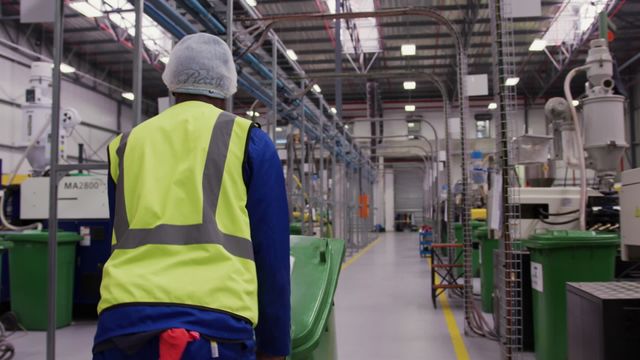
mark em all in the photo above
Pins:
pixel 475 224
pixel 481 233
pixel 42 237
pixel 313 284
pixel 570 238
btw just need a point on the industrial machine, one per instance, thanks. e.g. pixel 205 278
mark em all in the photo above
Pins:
pixel 82 200
pixel 36 119
pixel 630 216
pixel 600 134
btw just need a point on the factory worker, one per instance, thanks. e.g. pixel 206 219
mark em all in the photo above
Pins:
pixel 200 261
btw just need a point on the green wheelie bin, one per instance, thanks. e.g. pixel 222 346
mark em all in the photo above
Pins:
pixel 28 269
pixel 314 277
pixel 487 246
pixel 295 228
pixel 558 257
pixel 4 246
pixel 475 225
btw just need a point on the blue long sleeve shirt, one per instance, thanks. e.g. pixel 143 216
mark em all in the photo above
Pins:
pixel 269 221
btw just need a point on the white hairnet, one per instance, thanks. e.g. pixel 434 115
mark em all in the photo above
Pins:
pixel 201 64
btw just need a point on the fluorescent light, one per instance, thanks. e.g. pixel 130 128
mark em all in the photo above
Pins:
pixel 492 106
pixel 346 127
pixel 409 108
pixel 411 124
pixel 575 103
pixel 408 49
pixel 538 45
pixel 512 81
pixel 409 85
pixel 278 129
pixel 67 69
pixel 292 55
pixel 164 59
pixel 253 113
pixel 334 111
pixel 128 95
pixel 86 9
pixel 252 2
pixel 316 88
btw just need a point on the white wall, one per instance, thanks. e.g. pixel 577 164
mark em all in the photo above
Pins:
pixel 92 107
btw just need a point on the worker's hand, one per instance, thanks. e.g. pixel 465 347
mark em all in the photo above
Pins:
pixel 261 356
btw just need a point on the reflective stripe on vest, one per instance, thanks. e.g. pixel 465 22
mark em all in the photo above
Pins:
pixel 181 230
pixel 203 233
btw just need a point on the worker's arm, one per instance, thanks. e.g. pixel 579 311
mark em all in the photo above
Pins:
pixel 269 218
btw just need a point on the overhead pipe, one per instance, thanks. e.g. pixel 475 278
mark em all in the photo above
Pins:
pixel 164 19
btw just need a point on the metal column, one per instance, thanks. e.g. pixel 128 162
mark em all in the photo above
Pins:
pixel 274 88
pixel 137 64
pixel 303 187
pixel 338 115
pixel 228 102
pixel 58 30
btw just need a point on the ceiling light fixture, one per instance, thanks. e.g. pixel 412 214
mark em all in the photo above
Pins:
pixel 252 2
pixel 253 113
pixel 128 95
pixel 67 69
pixel 411 125
pixel 316 88
pixel 164 59
pixel 409 108
pixel 292 54
pixel 86 9
pixel 334 111
pixel 512 81
pixel 538 45
pixel 279 129
pixel 408 49
pixel 409 85
pixel 575 103
pixel 492 106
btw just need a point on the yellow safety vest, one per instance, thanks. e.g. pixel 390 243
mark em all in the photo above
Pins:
pixel 181 230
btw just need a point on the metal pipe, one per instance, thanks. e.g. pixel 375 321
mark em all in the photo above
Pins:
pixel 58 32
pixel 338 115
pixel 274 89
pixel 228 102
pixel 629 62
pixel 249 84
pixel 303 159
pixel 137 63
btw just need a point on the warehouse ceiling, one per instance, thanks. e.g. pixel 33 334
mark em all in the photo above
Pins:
pixel 376 56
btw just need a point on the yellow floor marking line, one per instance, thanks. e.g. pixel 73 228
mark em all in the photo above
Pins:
pixel 456 338
pixel 360 253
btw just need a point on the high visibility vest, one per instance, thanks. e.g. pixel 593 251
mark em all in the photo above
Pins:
pixel 181 229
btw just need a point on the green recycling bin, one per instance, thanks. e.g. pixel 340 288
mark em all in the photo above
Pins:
pixel 295 228
pixel 558 257
pixel 487 246
pixel 475 259
pixel 316 268
pixel 4 246
pixel 28 275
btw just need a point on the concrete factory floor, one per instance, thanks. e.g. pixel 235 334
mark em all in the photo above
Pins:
pixel 383 311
